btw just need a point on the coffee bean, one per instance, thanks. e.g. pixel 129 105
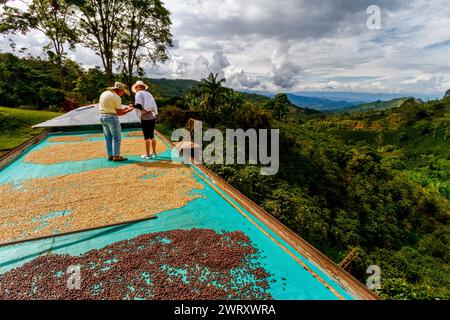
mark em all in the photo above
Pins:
pixel 173 265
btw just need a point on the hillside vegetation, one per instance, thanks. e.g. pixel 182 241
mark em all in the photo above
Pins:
pixel 15 126
pixel 413 138
pixel 172 88
pixel 375 106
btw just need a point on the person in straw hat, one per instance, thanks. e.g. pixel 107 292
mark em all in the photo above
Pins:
pixel 146 110
pixel 110 107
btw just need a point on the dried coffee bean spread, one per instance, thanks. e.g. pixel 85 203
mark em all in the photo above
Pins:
pixel 178 264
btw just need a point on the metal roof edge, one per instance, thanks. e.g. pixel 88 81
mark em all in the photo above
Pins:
pixel 13 154
pixel 48 123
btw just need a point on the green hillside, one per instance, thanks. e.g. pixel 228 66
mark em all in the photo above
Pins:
pixel 171 88
pixel 413 138
pixel 376 106
pixel 256 98
pixel 15 126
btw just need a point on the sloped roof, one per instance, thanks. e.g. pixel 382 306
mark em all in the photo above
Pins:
pixel 84 116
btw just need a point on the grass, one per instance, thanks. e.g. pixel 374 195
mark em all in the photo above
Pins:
pixel 15 126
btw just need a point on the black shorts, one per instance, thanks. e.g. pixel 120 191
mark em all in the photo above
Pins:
pixel 148 128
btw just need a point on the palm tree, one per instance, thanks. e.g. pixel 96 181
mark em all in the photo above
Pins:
pixel 213 91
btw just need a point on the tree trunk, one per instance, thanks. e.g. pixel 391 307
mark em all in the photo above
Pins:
pixel 108 69
pixel 61 76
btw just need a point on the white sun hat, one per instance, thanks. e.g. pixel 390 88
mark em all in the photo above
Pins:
pixel 120 86
pixel 138 83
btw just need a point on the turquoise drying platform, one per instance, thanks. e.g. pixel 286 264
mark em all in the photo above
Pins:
pixel 297 270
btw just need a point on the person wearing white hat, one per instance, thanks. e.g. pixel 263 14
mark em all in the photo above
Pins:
pixel 110 107
pixel 146 110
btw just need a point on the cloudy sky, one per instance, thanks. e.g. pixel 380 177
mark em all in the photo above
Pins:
pixel 304 45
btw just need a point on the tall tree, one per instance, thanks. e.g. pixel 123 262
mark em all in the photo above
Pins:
pixel 279 106
pixel 90 84
pixel 99 27
pixel 51 17
pixel 144 36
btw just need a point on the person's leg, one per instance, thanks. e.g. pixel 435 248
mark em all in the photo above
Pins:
pixel 152 135
pixel 147 147
pixel 144 126
pixel 153 146
pixel 116 132
pixel 108 136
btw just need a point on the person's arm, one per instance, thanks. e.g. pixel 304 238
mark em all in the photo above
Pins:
pixel 139 101
pixel 122 112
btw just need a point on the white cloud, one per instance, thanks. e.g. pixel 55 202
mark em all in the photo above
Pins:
pixel 239 79
pixel 427 82
pixel 374 86
pixel 219 62
pixel 284 69
pixel 300 45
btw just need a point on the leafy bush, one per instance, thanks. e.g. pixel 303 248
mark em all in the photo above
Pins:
pixel 172 117
pixel 51 96
pixel 252 117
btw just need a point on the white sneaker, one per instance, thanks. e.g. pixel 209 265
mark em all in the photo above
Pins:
pixel 145 156
pixel 153 155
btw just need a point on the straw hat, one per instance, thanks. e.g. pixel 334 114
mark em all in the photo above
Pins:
pixel 138 83
pixel 120 86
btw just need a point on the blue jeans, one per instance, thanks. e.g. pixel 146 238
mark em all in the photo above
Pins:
pixel 113 133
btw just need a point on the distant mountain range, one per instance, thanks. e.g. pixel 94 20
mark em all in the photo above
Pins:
pixel 320 103
pixel 316 103
pixel 337 101
pixel 317 100
pixel 378 105
pixel 366 96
